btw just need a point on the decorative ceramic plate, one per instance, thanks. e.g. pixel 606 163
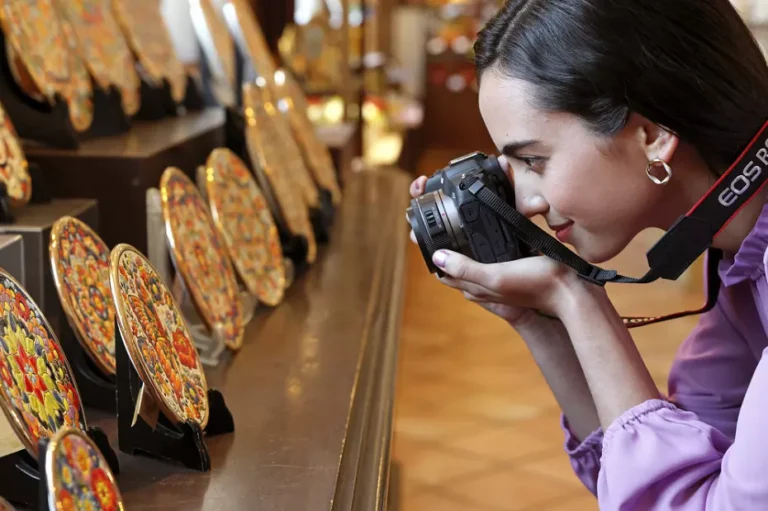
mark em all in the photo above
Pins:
pixel 253 37
pixel 217 46
pixel 145 30
pixel 243 219
pixel 41 58
pixel 38 393
pixel 319 160
pixel 104 49
pixel 78 476
pixel 80 263
pixel 265 148
pixel 13 163
pixel 5 505
pixel 200 257
pixel 156 337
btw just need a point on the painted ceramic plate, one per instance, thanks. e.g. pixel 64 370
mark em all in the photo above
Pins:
pixel 38 392
pixel 80 263
pixel 40 51
pixel 256 45
pixel 78 476
pixel 265 148
pixel 317 155
pixel 200 257
pixel 5 505
pixel 156 337
pixel 217 46
pixel 243 219
pixel 13 163
pixel 104 49
pixel 144 28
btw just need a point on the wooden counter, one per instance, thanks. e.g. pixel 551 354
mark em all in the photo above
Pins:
pixel 312 389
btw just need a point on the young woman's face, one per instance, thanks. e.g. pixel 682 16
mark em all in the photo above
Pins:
pixel 592 191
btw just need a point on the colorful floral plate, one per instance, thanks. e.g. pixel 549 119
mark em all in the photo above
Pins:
pixel 38 393
pixel 5 505
pixel 253 37
pixel 318 158
pixel 78 476
pixel 42 60
pixel 218 48
pixel 156 337
pixel 80 264
pixel 144 28
pixel 13 163
pixel 243 219
pixel 104 49
pixel 266 151
pixel 200 257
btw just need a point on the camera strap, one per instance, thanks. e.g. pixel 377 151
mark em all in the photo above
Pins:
pixel 683 243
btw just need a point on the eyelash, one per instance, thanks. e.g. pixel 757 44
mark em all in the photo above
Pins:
pixel 530 162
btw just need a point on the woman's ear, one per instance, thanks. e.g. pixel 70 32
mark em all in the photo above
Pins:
pixel 658 143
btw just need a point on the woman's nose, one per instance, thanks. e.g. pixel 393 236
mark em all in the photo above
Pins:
pixel 528 200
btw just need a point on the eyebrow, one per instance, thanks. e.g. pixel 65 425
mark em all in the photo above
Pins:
pixel 513 147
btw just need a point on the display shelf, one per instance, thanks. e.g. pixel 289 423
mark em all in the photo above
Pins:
pixel 118 170
pixel 312 388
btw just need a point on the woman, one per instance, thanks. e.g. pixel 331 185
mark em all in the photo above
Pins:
pixel 614 117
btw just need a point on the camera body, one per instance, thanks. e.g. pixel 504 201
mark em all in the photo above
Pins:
pixel 449 217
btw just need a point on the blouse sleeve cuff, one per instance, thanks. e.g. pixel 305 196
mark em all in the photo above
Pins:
pixel 575 448
pixel 635 414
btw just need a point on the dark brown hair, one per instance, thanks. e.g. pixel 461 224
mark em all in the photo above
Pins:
pixel 690 66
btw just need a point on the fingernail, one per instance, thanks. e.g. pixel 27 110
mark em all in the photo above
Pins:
pixel 440 258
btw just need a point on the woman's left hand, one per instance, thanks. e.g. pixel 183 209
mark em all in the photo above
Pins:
pixel 532 282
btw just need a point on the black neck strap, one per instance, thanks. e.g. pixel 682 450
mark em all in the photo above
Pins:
pixel 683 243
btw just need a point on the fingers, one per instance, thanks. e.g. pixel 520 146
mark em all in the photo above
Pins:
pixel 468 288
pixel 417 187
pixel 413 237
pixel 461 267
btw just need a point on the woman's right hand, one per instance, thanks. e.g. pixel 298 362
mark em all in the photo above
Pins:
pixel 515 316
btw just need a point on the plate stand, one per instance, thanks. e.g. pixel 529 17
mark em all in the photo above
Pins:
pixel 142 429
pixel 50 124
pixel 97 389
pixel 23 483
pixel 156 102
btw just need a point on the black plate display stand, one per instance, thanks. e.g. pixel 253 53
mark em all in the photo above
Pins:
pixel 23 482
pixel 50 124
pixel 183 443
pixel 156 102
pixel 96 388
pixel 193 98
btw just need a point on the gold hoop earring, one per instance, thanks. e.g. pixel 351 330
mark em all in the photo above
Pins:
pixel 658 163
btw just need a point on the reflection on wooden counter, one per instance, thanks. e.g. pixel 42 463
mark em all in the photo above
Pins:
pixel 311 391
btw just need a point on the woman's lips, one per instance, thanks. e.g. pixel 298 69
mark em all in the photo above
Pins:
pixel 563 233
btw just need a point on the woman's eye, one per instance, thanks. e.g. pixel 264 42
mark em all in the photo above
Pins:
pixel 532 163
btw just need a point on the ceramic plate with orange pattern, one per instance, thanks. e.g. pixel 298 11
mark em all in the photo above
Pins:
pixel 80 264
pixel 266 151
pixel 144 28
pixel 38 393
pixel 156 337
pixel 243 219
pixel 78 476
pixel 200 257
pixel 316 153
pixel 253 38
pixel 13 163
pixel 104 49
pixel 41 58
pixel 218 48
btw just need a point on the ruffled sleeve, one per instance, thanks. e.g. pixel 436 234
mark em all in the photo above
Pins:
pixel 584 455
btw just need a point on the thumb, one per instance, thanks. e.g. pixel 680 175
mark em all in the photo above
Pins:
pixel 462 267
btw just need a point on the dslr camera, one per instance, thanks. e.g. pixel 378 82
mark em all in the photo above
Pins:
pixel 447 216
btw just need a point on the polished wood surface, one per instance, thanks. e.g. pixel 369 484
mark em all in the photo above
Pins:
pixel 312 389
pixel 117 170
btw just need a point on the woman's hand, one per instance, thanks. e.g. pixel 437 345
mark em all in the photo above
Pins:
pixel 509 290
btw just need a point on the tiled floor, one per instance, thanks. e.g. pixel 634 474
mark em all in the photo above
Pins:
pixel 476 428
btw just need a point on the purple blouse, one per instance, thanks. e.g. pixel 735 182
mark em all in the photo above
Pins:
pixel 705 447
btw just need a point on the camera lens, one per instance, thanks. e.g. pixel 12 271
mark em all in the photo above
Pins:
pixel 435 222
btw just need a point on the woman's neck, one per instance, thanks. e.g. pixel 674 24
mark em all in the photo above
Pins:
pixel 732 236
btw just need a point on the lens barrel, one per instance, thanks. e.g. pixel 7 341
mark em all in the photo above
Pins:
pixel 432 226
